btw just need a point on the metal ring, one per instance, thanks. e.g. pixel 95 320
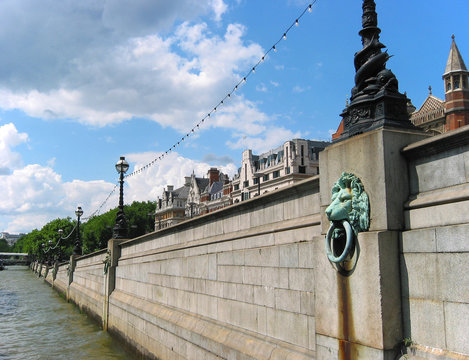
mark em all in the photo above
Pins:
pixel 348 243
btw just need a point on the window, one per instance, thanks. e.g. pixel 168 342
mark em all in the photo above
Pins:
pixel 464 82
pixel 302 169
pixel 456 82
pixel 448 84
pixel 276 174
pixel 256 180
pixel 246 183
pixel 287 170
pixel 245 196
pixel 236 187
pixel 265 177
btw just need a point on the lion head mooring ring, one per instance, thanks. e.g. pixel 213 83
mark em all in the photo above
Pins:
pixel 348 243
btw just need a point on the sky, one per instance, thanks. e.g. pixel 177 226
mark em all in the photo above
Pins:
pixel 85 82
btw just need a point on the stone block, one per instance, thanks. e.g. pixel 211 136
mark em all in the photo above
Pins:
pixel 301 279
pixel 418 241
pixel 452 238
pixel 288 326
pixel 456 326
pixel 426 320
pixel 197 266
pixel 268 256
pixel 252 275
pixel 441 215
pixel 453 277
pixel 312 333
pixel 233 274
pixel 289 256
pixel 230 258
pixel 245 293
pixel 264 296
pixel 305 255
pixel 307 303
pixel 287 300
pixel 419 276
pixel 275 277
pixel 212 267
pixel 437 171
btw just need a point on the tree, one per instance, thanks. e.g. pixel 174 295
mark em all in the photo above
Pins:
pixel 98 230
pixel 4 247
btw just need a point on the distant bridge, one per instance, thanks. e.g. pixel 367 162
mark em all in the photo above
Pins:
pixel 14 258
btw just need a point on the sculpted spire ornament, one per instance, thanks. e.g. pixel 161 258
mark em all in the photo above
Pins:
pixel 375 100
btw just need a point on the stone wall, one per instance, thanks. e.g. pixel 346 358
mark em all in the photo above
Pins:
pixel 87 288
pixel 435 247
pixel 235 283
pixel 252 281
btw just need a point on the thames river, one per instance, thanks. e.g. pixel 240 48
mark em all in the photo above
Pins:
pixel 36 323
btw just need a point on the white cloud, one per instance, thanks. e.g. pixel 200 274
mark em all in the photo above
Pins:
pixel 261 87
pixel 270 139
pixel 150 183
pixel 34 195
pixel 298 89
pixel 120 65
pixel 9 138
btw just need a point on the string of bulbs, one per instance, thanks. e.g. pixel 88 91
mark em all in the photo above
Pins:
pixel 227 97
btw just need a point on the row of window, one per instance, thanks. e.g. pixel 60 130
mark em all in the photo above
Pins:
pixel 456 82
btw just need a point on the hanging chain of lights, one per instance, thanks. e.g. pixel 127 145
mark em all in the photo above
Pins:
pixel 227 97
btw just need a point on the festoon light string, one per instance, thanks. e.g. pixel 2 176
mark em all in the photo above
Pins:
pixel 214 109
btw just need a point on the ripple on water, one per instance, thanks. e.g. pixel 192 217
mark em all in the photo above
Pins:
pixel 36 323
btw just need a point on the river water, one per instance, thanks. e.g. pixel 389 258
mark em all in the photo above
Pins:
pixel 36 323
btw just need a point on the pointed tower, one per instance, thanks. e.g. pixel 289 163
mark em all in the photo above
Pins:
pixel 456 90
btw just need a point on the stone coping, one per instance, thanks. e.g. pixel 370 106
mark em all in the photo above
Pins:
pixel 258 201
pixel 436 197
pixel 438 144
pixel 307 221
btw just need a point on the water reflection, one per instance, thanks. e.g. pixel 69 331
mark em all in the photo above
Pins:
pixel 36 323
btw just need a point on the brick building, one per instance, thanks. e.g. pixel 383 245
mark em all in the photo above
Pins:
pixel 437 116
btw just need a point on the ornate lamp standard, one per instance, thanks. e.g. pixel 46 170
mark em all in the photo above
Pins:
pixel 120 229
pixel 77 249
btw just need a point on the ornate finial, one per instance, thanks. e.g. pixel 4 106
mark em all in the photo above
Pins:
pixel 429 89
pixel 370 62
pixel 453 37
pixel 376 100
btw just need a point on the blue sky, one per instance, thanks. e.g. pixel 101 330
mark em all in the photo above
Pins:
pixel 84 82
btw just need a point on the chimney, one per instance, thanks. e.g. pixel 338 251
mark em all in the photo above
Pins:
pixel 170 187
pixel 213 175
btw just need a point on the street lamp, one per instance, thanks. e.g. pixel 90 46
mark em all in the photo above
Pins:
pixel 77 249
pixel 120 229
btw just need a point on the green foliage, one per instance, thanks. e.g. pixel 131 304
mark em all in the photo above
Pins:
pixel 4 247
pixel 95 233
pixel 32 243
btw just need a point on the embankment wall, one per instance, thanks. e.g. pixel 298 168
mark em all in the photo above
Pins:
pixel 243 282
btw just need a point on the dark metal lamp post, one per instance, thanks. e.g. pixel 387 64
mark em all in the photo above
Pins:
pixel 120 229
pixel 77 250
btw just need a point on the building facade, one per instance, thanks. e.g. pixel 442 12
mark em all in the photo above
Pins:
pixel 295 160
pixel 170 208
pixel 437 116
